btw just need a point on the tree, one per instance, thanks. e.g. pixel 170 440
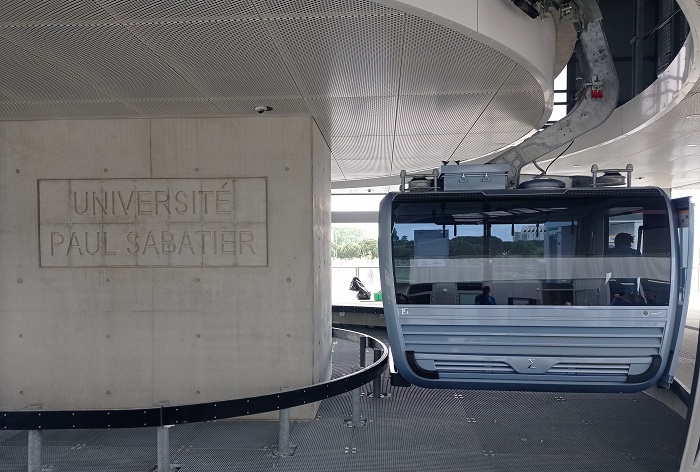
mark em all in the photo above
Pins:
pixel 369 248
pixel 353 243
pixel 347 234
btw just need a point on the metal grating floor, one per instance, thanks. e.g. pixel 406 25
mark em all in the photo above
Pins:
pixel 411 429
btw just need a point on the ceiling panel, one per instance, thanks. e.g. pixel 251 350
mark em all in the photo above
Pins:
pixel 353 56
pixel 363 147
pixel 440 114
pixel 423 152
pixel 365 168
pixel 318 7
pixel 108 58
pixel 64 110
pixel 520 79
pixel 280 106
pixel 177 10
pixel 475 145
pixel 26 77
pixel 173 108
pixel 388 90
pixel 336 173
pixel 221 59
pixel 519 121
pixel 438 60
pixel 518 100
pixel 51 11
pixel 354 116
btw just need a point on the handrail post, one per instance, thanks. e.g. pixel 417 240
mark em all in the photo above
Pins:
pixel 35 441
pixel 377 381
pixel 284 448
pixel 34 457
pixel 283 436
pixel 356 420
pixel 163 442
pixel 363 349
pixel 163 433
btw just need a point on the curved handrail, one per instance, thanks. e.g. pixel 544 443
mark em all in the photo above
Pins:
pixel 168 415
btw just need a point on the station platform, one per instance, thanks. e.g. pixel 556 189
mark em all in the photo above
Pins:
pixel 407 429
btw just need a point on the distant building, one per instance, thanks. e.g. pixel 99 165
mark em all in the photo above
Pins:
pixel 530 233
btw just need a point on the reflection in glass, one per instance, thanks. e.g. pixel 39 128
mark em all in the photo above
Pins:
pixel 550 250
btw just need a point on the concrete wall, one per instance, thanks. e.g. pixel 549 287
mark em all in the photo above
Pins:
pixel 135 324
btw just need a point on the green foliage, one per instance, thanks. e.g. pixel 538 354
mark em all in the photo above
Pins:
pixel 353 243
pixel 346 234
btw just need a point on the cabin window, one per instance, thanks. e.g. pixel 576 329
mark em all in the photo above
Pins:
pixel 557 250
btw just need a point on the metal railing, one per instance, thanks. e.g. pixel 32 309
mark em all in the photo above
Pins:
pixel 163 416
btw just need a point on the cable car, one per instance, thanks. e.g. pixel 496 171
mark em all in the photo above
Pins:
pixel 489 287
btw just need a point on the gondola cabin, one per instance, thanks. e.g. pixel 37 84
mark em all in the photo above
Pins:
pixel 532 288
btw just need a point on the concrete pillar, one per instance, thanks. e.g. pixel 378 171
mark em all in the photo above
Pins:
pixel 148 251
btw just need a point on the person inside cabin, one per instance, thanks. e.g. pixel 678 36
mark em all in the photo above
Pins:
pixel 484 298
pixel 637 299
pixel 620 299
pixel 651 298
pixel 623 246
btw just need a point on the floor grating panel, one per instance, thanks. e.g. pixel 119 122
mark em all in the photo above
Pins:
pixel 410 429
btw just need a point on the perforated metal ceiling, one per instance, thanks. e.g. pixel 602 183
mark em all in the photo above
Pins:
pixel 388 90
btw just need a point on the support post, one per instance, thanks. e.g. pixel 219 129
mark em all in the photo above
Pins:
pixel 363 349
pixel 356 419
pixel 283 437
pixel 377 382
pixel 34 459
pixel 284 449
pixel 163 448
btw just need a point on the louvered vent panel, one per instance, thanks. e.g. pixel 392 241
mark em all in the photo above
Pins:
pixel 438 60
pixel 529 340
pixel 482 349
pixel 222 59
pixel 348 56
pixel 590 369
pixel 453 367
pixel 106 57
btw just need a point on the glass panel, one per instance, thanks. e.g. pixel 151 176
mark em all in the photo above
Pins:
pixel 535 251
pixel 560 98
